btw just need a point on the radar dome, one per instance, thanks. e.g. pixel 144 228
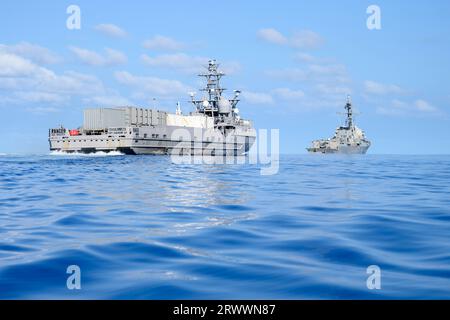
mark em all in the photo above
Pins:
pixel 205 103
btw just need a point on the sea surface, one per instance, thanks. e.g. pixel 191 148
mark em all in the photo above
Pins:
pixel 142 227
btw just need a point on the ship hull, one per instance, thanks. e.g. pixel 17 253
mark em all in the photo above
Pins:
pixel 158 141
pixel 341 150
pixel 225 150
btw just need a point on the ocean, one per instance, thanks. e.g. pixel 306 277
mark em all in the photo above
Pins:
pixel 142 227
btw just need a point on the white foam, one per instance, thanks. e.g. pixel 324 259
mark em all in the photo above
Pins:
pixel 79 154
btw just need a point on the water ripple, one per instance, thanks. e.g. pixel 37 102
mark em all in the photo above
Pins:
pixel 143 227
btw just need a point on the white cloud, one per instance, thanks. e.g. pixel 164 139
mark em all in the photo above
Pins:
pixel 387 111
pixel 186 63
pixel 305 57
pixel 23 82
pixel 159 42
pixel 311 59
pixel 12 65
pixel 74 82
pixel 229 67
pixel 88 56
pixel 268 98
pixel 288 100
pixel 39 96
pixel 306 39
pixel 401 108
pixel 115 57
pixel 18 74
pixel 43 85
pixel 110 100
pixel 398 107
pixel 288 94
pixel 330 89
pixel 376 88
pixel 111 30
pixel 398 104
pixel 303 39
pixel 324 81
pixel 424 106
pixel 257 97
pixel 313 72
pixel 324 84
pixel 181 61
pixel 290 74
pixel 32 52
pixel 394 108
pixel 293 100
pixel 43 110
pixel 145 86
pixel 111 57
pixel 272 35
pixel 337 69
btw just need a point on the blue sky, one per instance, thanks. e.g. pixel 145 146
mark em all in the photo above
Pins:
pixel 295 62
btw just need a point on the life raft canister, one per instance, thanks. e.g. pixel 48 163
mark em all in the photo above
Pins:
pixel 74 132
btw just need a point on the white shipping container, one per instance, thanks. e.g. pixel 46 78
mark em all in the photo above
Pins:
pixel 98 119
pixel 103 118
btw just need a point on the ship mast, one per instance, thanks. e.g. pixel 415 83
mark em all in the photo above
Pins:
pixel 349 108
pixel 212 103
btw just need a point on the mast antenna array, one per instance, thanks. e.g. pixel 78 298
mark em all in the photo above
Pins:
pixel 210 103
pixel 349 108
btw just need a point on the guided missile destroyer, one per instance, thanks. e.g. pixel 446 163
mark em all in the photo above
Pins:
pixel 213 128
pixel 348 139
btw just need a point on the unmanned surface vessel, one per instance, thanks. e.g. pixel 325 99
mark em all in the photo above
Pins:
pixel 214 128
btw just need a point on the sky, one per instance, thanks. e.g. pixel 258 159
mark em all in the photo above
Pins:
pixel 294 61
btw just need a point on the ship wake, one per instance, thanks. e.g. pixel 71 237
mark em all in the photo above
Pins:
pixel 80 154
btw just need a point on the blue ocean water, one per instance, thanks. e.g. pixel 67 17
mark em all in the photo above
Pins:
pixel 143 227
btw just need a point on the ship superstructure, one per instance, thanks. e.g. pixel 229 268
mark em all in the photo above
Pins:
pixel 348 139
pixel 214 127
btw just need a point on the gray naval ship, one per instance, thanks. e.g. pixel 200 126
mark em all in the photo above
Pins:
pixel 348 139
pixel 213 128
